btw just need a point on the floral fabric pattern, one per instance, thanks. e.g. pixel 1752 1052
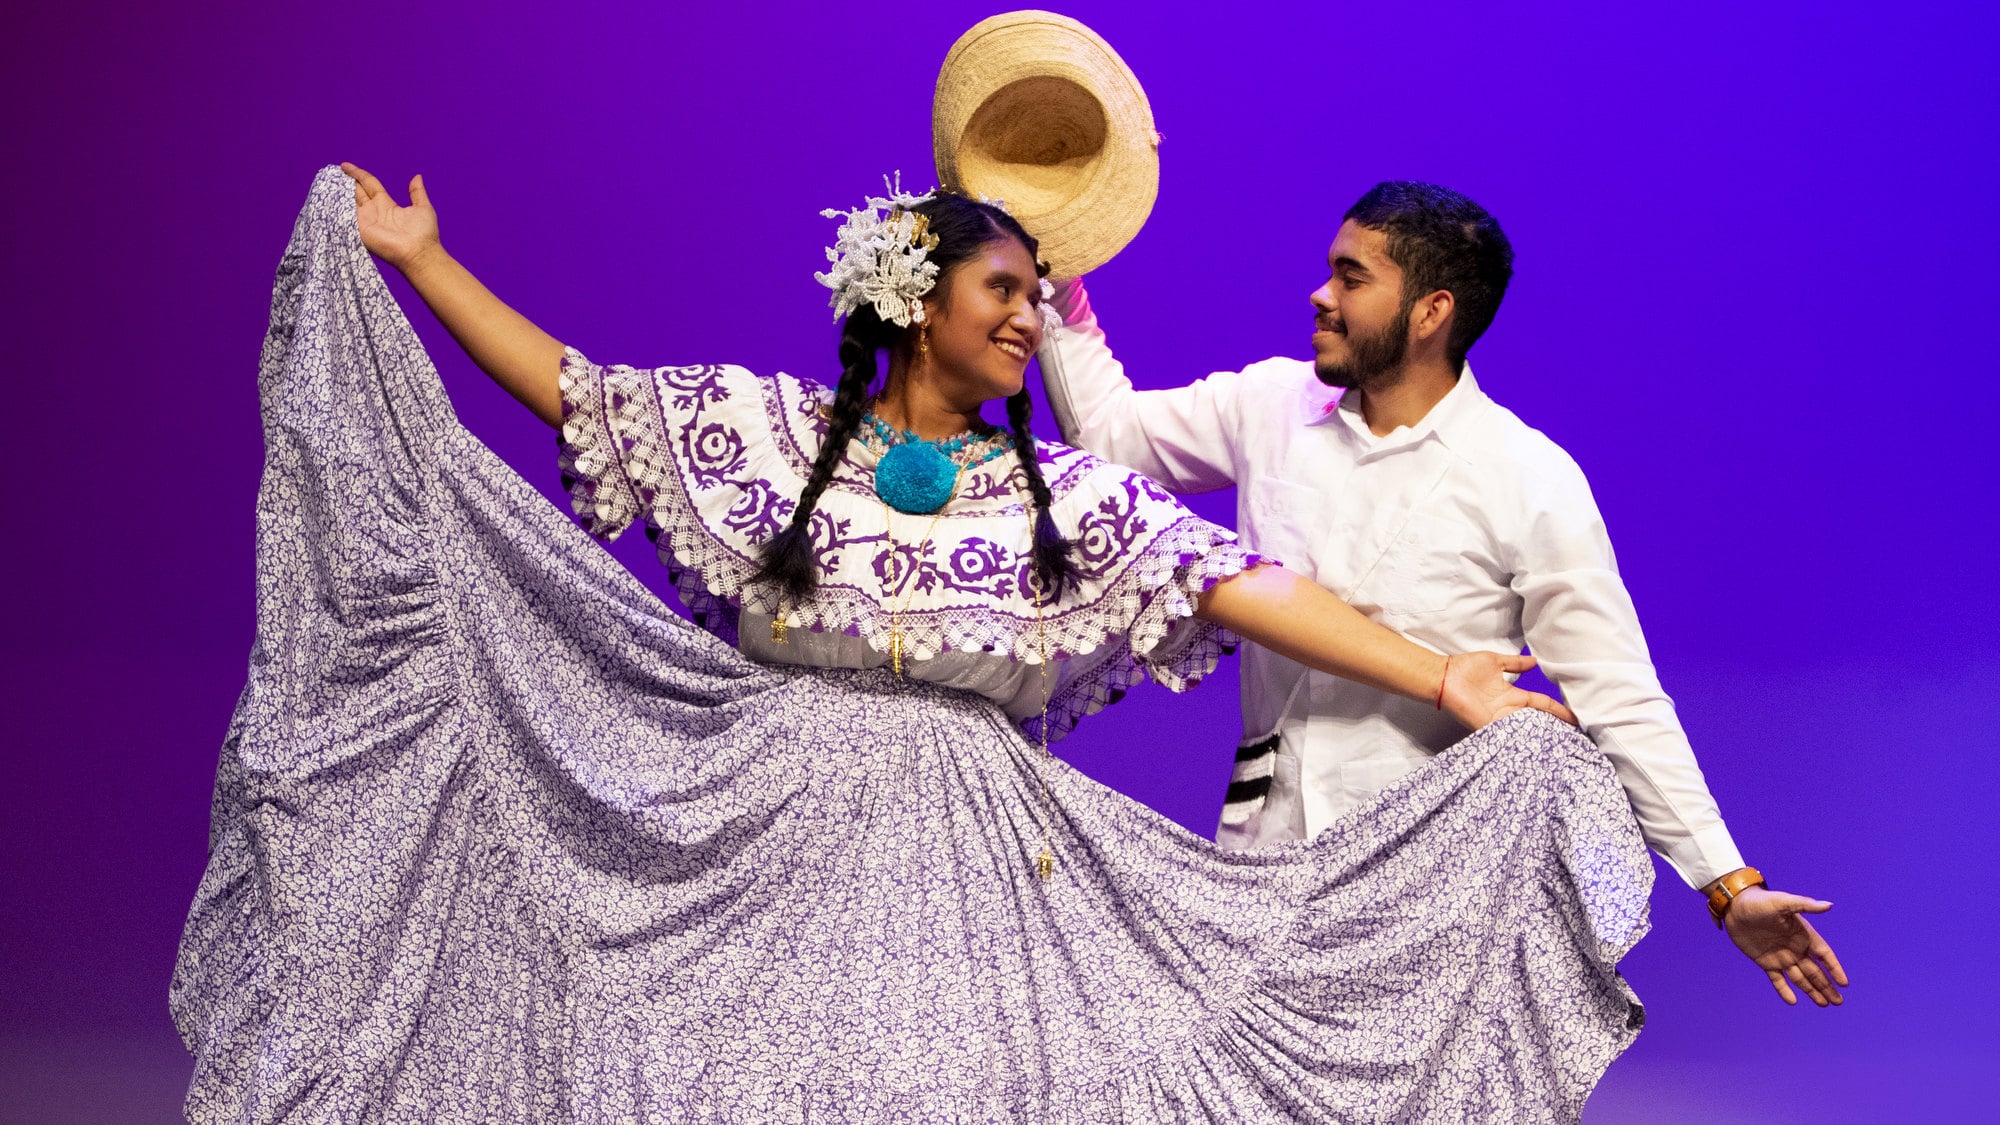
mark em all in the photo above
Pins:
pixel 498 838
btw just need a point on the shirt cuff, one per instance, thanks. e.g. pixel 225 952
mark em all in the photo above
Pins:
pixel 1704 857
pixel 1071 300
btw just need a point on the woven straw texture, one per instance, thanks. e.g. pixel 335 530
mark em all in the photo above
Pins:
pixel 1037 110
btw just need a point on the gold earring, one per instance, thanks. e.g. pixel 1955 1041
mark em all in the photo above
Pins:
pixel 923 339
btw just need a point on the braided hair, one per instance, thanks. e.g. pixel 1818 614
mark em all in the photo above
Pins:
pixel 962 226
pixel 1055 567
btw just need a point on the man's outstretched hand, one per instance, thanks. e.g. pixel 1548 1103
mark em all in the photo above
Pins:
pixel 1770 928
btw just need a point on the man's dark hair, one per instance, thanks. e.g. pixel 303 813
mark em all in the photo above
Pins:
pixel 1442 240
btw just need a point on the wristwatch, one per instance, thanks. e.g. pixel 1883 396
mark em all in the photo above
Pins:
pixel 1725 890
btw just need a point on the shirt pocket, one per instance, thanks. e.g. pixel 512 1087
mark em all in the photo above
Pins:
pixel 1282 520
pixel 1426 566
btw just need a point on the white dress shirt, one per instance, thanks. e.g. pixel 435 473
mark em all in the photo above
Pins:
pixel 1469 531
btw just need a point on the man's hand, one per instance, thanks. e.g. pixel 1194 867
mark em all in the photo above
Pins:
pixel 1770 928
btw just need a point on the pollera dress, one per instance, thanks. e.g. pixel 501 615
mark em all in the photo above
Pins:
pixel 499 838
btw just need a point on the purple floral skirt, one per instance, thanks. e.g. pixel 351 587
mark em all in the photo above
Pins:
pixel 498 838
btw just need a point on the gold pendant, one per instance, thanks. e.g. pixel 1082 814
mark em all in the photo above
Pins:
pixel 778 630
pixel 896 653
pixel 1045 864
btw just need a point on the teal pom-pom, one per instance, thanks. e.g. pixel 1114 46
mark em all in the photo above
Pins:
pixel 915 477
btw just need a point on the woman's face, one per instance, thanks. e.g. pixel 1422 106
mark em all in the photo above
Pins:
pixel 984 325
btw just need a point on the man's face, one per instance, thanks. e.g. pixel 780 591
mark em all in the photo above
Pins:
pixel 1360 329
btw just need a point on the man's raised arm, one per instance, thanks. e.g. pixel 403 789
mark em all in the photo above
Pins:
pixel 1187 438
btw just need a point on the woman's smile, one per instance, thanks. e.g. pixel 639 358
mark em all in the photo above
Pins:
pixel 1014 348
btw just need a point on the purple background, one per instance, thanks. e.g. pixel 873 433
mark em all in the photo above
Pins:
pixel 1754 253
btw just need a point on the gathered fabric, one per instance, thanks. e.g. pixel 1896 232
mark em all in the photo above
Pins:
pixel 499 838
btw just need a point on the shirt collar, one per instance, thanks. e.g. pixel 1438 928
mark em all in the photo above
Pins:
pixel 1447 420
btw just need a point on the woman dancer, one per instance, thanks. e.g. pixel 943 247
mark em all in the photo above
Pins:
pixel 498 839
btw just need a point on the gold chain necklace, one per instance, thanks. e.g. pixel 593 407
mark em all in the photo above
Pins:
pixel 910 590
pixel 1045 863
pixel 1045 860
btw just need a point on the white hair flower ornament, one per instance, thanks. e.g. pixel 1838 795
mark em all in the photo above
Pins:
pixel 881 257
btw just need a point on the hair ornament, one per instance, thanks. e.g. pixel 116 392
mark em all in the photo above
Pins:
pixel 880 254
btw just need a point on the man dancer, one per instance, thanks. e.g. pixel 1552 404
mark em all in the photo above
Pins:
pixel 1383 472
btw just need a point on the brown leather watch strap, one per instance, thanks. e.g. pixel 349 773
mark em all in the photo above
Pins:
pixel 1724 890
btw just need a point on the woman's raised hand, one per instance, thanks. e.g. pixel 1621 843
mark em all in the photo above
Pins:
pixel 506 345
pixel 1476 690
pixel 396 234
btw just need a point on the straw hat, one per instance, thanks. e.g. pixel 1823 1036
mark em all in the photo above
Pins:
pixel 1035 109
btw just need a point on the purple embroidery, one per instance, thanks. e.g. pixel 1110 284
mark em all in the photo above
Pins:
pixel 760 512
pixel 829 535
pixel 1105 535
pixel 905 568
pixel 978 566
pixel 986 484
pixel 714 451
pixel 694 388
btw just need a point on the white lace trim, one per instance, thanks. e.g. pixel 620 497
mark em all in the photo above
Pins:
pixel 621 463
pixel 601 492
pixel 1188 657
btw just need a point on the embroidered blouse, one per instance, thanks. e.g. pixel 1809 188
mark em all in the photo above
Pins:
pixel 713 459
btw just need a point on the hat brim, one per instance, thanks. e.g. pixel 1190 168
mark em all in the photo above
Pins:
pixel 1037 110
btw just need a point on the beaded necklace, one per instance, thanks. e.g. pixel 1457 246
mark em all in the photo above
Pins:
pixel 1045 863
pixel 916 476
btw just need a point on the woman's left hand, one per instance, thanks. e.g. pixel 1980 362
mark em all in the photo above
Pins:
pixel 1476 690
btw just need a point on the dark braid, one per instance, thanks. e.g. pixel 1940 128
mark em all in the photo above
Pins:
pixel 1055 570
pixel 788 555
pixel 963 226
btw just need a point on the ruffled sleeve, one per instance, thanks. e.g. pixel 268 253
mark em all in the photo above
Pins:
pixel 599 409
pixel 1147 561
pixel 709 456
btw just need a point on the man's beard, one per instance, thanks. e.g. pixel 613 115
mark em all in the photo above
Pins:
pixel 1373 356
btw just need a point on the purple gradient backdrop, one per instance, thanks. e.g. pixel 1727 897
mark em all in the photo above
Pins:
pixel 1754 252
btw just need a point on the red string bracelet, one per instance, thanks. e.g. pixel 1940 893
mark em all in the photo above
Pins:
pixel 1441 682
